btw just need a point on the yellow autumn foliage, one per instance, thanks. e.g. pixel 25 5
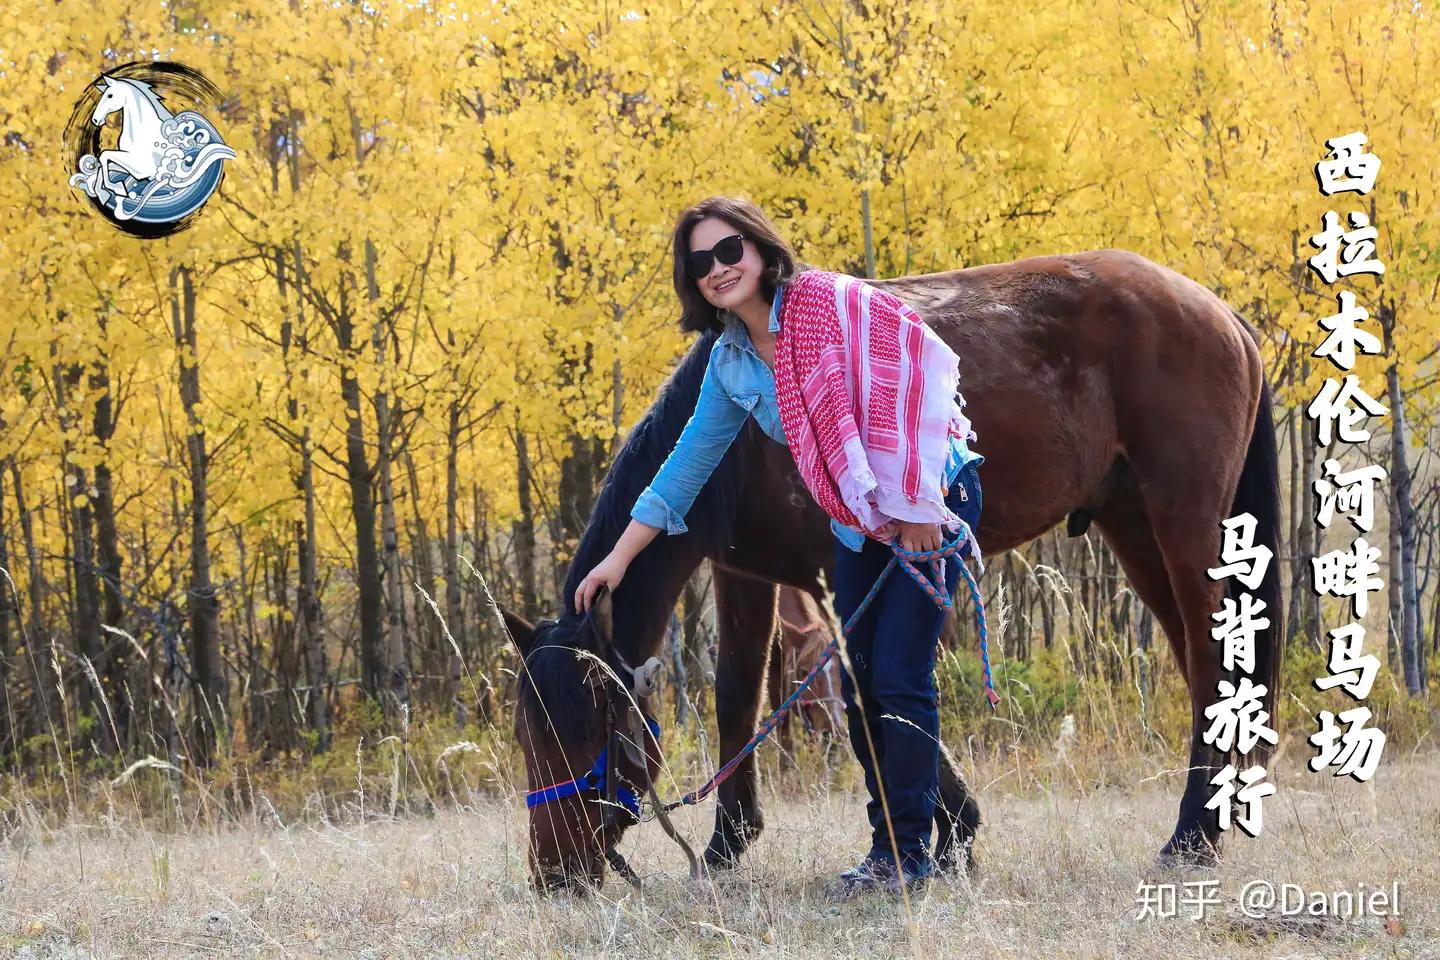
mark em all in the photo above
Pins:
pixel 517 167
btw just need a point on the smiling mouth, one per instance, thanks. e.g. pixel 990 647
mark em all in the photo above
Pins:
pixel 727 285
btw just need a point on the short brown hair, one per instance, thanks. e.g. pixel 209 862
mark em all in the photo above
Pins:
pixel 781 264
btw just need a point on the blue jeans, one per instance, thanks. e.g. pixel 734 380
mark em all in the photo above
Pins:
pixel 892 651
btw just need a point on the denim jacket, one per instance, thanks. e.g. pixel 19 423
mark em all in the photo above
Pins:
pixel 737 384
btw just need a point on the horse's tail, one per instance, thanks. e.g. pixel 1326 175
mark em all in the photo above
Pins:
pixel 1258 494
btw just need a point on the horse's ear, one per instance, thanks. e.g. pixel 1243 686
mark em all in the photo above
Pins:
pixel 522 631
pixel 602 614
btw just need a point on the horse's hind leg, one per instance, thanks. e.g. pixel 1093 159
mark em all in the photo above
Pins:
pixel 1187 490
pixel 957 819
pixel 745 615
pixel 776 681
pixel 1189 550
pixel 1124 524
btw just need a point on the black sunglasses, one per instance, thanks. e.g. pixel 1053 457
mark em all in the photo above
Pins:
pixel 727 251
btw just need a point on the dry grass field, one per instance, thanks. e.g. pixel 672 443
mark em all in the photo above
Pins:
pixel 1061 862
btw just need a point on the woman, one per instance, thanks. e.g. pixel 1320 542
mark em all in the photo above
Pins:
pixel 881 445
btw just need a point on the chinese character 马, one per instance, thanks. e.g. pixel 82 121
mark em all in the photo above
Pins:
pixel 1353 673
pixel 1240 557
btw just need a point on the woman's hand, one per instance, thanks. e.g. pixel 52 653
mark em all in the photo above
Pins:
pixel 919 537
pixel 607 573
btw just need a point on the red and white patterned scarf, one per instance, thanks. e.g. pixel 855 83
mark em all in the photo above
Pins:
pixel 868 398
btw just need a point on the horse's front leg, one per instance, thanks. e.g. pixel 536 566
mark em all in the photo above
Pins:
pixel 745 615
pixel 107 159
pixel 957 819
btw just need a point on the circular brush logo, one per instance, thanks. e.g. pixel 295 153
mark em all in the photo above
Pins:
pixel 155 177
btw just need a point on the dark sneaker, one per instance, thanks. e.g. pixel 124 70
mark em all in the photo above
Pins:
pixel 868 874
pixel 913 875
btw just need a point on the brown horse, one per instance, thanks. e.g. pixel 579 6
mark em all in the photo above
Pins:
pixel 1103 388
pixel 803 634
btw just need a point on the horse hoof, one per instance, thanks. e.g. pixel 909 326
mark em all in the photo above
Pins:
pixel 1187 859
pixel 720 860
pixel 957 863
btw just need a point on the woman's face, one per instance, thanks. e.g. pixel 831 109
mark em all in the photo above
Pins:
pixel 728 285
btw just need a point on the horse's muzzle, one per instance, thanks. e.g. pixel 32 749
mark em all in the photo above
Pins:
pixel 574 877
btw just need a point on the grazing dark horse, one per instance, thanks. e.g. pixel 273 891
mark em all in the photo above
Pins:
pixel 1103 388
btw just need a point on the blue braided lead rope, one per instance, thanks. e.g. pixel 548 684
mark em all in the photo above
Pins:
pixel 984 642
pixel 936 592
pixel 901 557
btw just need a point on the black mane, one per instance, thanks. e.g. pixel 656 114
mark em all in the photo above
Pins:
pixel 553 674
pixel 635 467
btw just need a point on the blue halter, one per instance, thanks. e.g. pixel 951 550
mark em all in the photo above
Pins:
pixel 594 780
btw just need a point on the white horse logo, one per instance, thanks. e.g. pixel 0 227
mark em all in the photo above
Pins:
pixel 173 159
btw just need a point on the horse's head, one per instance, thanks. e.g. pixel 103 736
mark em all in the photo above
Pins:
pixel 114 94
pixel 574 720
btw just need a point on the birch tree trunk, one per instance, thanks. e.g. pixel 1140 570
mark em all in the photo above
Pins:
pixel 211 690
pixel 1404 518
pixel 454 668
pixel 524 528
pixel 396 661
pixel 9 607
pixel 369 583
pixel 86 596
pixel 35 639
pixel 307 599
pixel 107 556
